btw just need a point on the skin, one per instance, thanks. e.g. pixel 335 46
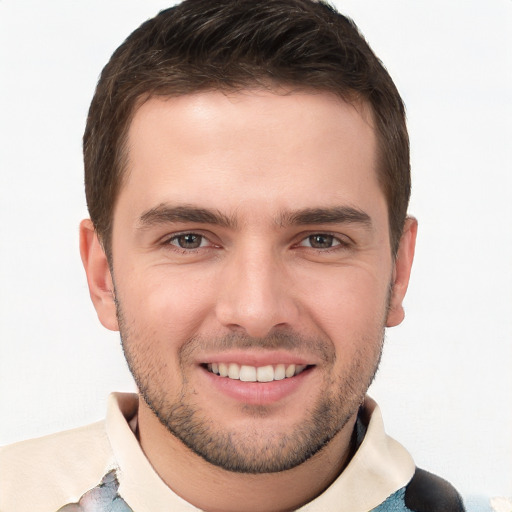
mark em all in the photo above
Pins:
pixel 250 228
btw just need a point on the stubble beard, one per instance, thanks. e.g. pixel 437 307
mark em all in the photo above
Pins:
pixel 252 451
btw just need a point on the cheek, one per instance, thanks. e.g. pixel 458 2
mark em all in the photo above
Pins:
pixel 350 302
pixel 162 308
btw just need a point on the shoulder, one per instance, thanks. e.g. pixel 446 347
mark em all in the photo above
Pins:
pixel 429 493
pixel 43 473
pixel 61 447
pixel 424 493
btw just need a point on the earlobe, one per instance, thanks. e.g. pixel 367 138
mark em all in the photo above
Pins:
pixel 99 278
pixel 402 272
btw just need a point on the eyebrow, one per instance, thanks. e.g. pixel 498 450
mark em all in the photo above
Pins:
pixel 333 215
pixel 163 214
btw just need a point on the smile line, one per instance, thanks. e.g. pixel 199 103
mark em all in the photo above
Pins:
pixel 246 373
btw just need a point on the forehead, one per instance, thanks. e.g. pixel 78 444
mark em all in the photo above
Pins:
pixel 251 146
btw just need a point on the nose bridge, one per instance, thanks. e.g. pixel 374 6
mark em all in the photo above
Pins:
pixel 255 294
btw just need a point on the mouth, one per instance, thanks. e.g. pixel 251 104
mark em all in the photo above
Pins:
pixel 257 378
pixel 246 373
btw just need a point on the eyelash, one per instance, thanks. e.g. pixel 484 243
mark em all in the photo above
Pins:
pixel 177 236
pixel 339 242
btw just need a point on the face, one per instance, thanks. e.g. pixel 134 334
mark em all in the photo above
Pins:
pixel 252 271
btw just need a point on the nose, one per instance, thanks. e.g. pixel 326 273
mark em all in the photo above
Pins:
pixel 256 294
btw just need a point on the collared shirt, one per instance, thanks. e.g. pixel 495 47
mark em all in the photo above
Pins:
pixel 104 463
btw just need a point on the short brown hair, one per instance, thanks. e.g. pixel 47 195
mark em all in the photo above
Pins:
pixel 235 44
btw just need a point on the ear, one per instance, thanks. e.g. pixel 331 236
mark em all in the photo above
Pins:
pixel 99 279
pixel 402 272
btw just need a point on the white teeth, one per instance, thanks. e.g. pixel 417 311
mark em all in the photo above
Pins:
pixel 265 373
pixel 234 371
pixel 279 372
pixel 299 368
pixel 247 373
pixel 290 370
pixel 223 369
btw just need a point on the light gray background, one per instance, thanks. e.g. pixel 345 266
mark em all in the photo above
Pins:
pixel 445 385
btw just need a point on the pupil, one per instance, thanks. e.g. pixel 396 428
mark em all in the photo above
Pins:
pixel 321 241
pixel 190 241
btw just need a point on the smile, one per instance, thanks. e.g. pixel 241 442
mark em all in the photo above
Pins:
pixel 247 373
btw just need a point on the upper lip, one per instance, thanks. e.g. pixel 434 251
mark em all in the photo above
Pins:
pixel 256 358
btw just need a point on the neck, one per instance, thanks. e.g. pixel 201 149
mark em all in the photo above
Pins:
pixel 214 489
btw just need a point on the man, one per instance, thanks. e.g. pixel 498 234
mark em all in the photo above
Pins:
pixel 247 178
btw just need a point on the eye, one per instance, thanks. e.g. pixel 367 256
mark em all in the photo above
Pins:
pixel 188 241
pixel 320 241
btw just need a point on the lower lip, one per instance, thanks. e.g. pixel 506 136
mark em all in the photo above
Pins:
pixel 257 393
